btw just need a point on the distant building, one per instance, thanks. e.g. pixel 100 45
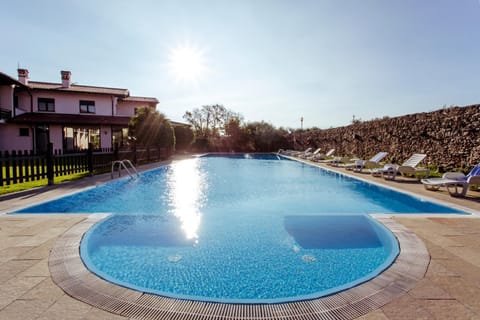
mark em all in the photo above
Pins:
pixel 70 116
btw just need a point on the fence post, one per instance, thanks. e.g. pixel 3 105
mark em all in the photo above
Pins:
pixel 50 163
pixel 115 151
pixel 90 158
pixel 1 169
pixel 134 153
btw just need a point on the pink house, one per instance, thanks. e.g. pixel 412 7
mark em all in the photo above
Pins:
pixel 70 116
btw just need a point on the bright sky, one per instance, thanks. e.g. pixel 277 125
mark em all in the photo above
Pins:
pixel 271 60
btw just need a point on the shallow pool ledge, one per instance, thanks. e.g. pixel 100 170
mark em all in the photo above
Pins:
pixel 69 273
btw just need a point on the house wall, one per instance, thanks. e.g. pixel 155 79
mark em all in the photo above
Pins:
pixel 6 97
pixel 69 103
pixel 24 101
pixel 56 136
pixel 105 137
pixel 127 108
pixel 14 141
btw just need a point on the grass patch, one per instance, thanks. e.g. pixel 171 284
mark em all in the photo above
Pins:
pixel 40 183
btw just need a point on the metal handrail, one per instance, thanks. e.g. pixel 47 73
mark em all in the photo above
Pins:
pixel 122 163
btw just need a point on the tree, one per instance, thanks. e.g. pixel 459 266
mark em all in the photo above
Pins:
pixel 209 121
pixel 184 137
pixel 151 128
pixel 265 137
pixel 198 120
pixel 236 135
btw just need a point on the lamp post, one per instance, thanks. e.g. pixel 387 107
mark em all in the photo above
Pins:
pixel 301 123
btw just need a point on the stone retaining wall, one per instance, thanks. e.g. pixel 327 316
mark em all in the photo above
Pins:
pixel 450 137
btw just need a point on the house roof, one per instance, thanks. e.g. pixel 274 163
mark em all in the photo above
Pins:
pixel 78 88
pixel 75 119
pixel 59 118
pixel 180 124
pixel 141 99
pixel 6 80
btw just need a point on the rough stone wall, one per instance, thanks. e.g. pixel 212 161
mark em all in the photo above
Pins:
pixel 450 137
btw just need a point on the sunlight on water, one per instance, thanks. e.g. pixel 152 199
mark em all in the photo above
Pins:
pixel 187 187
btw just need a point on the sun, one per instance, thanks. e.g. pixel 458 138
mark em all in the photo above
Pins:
pixel 187 63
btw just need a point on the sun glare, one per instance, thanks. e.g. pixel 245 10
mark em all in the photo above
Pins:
pixel 187 192
pixel 187 63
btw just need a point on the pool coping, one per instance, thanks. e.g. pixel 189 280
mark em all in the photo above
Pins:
pixel 68 272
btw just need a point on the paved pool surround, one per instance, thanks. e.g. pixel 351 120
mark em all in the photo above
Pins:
pixel 451 285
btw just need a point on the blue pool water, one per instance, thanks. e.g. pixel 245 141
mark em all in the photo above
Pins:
pixel 239 228
pixel 257 258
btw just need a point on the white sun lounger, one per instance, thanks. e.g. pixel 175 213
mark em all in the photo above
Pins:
pixel 456 183
pixel 308 155
pixel 319 157
pixel 337 161
pixel 389 169
pixel 408 168
pixel 361 164
pixel 301 153
pixel 293 153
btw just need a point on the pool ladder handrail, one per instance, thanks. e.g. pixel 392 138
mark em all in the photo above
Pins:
pixel 122 163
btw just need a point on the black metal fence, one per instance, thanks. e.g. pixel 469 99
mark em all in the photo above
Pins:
pixel 24 166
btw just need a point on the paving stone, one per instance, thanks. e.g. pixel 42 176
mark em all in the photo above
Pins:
pixel 375 315
pixel 40 269
pixel 45 290
pixel 469 255
pixel 24 309
pixel 10 253
pixel 426 289
pixel 437 252
pixel 15 288
pixel 448 310
pixel 436 268
pixel 44 236
pixel 12 268
pixel 461 290
pixel 96 314
pixel 39 252
pixel 406 307
pixel 66 308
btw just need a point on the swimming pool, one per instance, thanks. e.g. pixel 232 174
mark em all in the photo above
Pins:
pixel 243 228
pixel 246 183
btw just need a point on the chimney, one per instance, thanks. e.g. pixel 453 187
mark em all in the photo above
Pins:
pixel 66 78
pixel 23 76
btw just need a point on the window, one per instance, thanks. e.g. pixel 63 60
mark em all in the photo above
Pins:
pixel 87 106
pixel 119 136
pixel 77 138
pixel 24 132
pixel 46 104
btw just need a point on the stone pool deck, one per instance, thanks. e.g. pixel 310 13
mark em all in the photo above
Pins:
pixel 450 289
